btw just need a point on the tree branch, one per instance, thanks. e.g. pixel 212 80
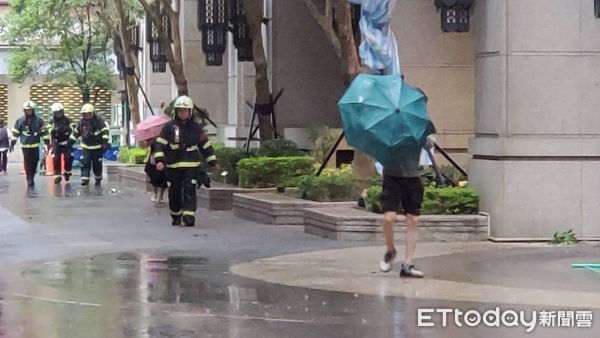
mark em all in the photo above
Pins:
pixel 326 24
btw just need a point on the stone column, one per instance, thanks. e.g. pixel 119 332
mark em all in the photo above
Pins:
pixel 536 153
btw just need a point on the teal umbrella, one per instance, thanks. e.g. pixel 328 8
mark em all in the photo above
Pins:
pixel 385 118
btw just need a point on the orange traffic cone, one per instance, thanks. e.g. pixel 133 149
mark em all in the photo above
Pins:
pixel 50 164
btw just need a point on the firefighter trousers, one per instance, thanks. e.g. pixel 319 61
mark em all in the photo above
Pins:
pixel 31 158
pixel 91 159
pixel 182 184
pixel 68 153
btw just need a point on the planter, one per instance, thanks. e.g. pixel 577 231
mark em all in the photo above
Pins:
pixel 221 197
pixel 349 223
pixel 276 208
pixel 132 173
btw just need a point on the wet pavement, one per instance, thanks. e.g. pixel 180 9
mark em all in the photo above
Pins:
pixel 105 263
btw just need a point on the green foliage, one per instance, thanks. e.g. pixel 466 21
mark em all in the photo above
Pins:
pixel 279 148
pixel 60 38
pixel 332 186
pixel 428 175
pixel 373 198
pixel 322 140
pixel 565 237
pixel 133 155
pixel 269 172
pixel 436 201
pixel 450 201
pixel 228 159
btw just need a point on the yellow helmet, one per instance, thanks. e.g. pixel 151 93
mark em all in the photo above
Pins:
pixel 184 101
pixel 87 108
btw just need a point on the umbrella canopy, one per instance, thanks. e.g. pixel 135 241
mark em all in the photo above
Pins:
pixel 150 127
pixel 385 118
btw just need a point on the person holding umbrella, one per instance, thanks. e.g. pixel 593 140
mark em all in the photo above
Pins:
pixel 386 118
pixel 158 179
pixel 402 187
pixel 148 131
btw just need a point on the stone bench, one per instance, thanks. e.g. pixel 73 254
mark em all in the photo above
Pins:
pixel 275 208
pixel 349 223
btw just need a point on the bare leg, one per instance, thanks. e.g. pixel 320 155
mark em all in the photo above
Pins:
pixel 161 198
pixel 411 237
pixel 154 199
pixel 389 218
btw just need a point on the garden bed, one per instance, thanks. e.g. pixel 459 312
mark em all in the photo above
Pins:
pixel 276 208
pixel 220 197
pixel 349 223
pixel 133 174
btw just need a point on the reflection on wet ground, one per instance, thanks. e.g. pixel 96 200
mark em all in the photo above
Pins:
pixel 133 295
pixel 169 282
pixel 179 295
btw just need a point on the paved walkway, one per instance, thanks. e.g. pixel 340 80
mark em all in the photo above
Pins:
pixel 106 263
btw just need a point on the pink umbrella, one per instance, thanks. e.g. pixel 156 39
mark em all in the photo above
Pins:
pixel 150 127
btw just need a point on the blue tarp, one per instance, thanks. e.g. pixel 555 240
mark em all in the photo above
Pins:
pixel 378 48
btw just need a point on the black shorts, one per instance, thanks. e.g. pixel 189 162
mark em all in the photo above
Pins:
pixel 402 191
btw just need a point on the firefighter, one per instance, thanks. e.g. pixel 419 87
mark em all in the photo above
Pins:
pixel 60 132
pixel 181 145
pixel 31 131
pixel 94 142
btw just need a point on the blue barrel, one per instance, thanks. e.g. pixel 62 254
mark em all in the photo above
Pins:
pixel 111 154
pixel 77 153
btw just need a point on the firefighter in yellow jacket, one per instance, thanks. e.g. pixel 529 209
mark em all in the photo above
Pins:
pixel 94 135
pixel 32 131
pixel 181 145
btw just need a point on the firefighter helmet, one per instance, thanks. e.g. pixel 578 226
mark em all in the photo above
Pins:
pixel 56 106
pixel 184 101
pixel 87 108
pixel 29 105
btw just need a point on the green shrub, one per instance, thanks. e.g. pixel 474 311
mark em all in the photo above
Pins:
pixel 228 159
pixel 279 148
pixel 428 175
pixel 322 139
pixel 373 199
pixel 450 201
pixel 123 155
pixel 442 201
pixel 133 155
pixel 334 187
pixel 269 172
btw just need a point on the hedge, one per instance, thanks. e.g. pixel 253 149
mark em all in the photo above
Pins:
pixel 335 187
pixel 133 155
pixel 436 201
pixel 279 148
pixel 228 159
pixel 270 172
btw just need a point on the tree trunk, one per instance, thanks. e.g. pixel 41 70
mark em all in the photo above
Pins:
pixel 175 57
pixel 85 94
pixel 132 86
pixel 171 45
pixel 362 165
pixel 263 104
